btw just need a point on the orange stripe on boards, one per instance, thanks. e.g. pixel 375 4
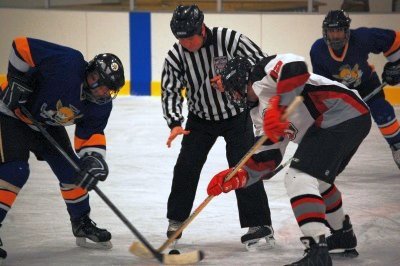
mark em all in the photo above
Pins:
pixel 395 46
pixel 24 51
pixel 7 197
pixel 391 129
pixel 95 140
pixel 73 193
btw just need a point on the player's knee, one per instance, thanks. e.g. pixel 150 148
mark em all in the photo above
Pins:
pixel 299 183
pixel 15 173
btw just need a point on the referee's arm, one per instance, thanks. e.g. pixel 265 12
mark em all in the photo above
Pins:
pixel 171 95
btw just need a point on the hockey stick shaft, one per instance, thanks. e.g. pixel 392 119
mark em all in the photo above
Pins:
pixel 240 164
pixel 375 92
pixel 53 142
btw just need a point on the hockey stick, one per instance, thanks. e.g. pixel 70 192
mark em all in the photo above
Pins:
pixel 139 250
pixel 187 258
pixel 375 92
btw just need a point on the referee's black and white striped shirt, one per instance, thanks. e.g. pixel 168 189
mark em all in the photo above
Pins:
pixel 193 71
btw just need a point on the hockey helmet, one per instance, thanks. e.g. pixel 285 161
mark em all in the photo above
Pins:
pixel 336 19
pixel 111 74
pixel 235 77
pixel 186 21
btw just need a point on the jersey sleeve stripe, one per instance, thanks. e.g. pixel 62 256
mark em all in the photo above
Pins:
pixel 94 140
pixel 292 75
pixel 395 48
pixel 23 49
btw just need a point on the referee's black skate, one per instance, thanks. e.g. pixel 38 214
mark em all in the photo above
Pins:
pixel 252 239
pixel 84 228
pixel 343 242
pixel 315 254
pixel 173 226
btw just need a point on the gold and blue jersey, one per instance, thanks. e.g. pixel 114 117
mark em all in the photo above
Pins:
pixel 57 74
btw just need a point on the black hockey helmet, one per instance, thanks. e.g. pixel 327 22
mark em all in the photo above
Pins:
pixel 111 74
pixel 186 21
pixel 336 19
pixel 235 77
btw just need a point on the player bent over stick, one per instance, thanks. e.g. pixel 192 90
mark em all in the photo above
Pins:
pixel 329 126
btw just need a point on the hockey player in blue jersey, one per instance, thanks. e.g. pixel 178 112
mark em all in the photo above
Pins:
pixel 59 88
pixel 342 55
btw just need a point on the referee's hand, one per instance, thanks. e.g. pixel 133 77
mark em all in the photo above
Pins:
pixel 174 133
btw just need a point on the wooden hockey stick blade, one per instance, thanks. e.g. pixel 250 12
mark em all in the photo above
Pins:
pixel 192 257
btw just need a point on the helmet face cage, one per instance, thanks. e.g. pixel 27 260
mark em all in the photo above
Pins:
pixel 186 21
pixel 235 78
pixel 339 20
pixel 110 73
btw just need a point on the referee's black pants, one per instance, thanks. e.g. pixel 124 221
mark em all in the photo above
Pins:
pixel 238 134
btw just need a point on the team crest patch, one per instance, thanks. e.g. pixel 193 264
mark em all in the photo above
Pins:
pixel 64 115
pixel 291 132
pixel 220 63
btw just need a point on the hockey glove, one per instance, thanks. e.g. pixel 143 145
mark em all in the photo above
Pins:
pixel 273 126
pixel 93 168
pixel 16 93
pixel 217 184
pixel 391 73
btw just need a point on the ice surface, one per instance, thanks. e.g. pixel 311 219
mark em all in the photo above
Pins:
pixel 37 229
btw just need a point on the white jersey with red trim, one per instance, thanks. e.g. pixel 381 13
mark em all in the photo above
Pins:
pixel 326 102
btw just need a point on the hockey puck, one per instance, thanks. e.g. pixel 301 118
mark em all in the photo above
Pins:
pixel 174 252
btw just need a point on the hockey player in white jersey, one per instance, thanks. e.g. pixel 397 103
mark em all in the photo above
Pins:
pixel 329 125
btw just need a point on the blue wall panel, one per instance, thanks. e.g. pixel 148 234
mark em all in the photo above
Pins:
pixel 140 50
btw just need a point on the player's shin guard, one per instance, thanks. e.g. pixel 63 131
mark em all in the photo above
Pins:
pixel 307 204
pixel 76 199
pixel 333 202
pixel 13 177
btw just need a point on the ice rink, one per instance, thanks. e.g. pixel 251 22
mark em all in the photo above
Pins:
pixel 37 230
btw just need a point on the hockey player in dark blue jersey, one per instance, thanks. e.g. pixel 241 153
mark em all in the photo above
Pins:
pixel 342 55
pixel 59 88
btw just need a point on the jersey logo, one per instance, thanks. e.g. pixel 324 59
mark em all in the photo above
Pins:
pixel 63 116
pixel 220 63
pixel 349 76
pixel 291 132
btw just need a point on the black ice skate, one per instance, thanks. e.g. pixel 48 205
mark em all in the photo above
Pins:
pixel 252 239
pixel 396 153
pixel 173 226
pixel 3 253
pixel 343 242
pixel 315 254
pixel 84 228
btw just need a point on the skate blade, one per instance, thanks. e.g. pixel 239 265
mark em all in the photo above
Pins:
pixel 349 253
pixel 85 243
pixel 259 244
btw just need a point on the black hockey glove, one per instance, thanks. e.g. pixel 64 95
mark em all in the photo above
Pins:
pixel 93 168
pixel 391 73
pixel 16 93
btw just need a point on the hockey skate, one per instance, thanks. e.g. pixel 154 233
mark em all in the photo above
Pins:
pixel 343 242
pixel 84 228
pixel 3 253
pixel 396 153
pixel 252 239
pixel 173 226
pixel 315 254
